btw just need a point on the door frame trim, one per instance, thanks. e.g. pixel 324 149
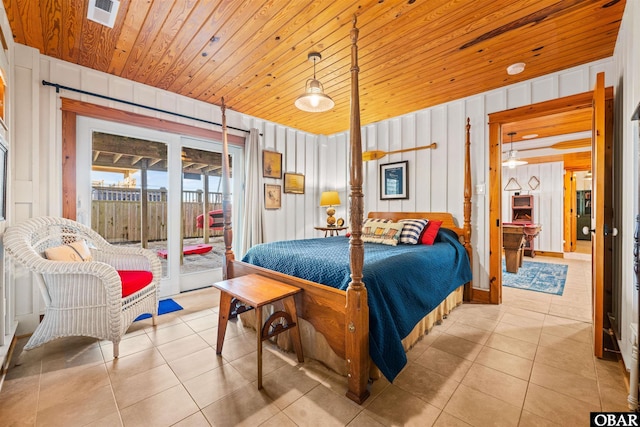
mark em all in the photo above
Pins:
pixel 496 121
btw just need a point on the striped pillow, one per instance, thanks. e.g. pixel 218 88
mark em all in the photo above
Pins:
pixel 383 220
pixel 411 230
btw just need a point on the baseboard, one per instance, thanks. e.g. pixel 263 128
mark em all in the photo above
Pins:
pixel 549 254
pixel 5 353
pixel 480 296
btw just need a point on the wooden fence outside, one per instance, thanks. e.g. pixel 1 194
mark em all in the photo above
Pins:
pixel 116 213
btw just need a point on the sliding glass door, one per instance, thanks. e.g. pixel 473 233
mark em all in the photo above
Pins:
pixel 156 190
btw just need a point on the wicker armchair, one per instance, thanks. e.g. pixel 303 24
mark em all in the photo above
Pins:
pixel 82 298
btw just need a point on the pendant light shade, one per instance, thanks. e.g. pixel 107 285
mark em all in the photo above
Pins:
pixel 512 161
pixel 314 100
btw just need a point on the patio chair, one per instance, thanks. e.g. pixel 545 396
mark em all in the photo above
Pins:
pixel 90 287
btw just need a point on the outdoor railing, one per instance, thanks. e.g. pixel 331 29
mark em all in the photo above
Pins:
pixel 116 213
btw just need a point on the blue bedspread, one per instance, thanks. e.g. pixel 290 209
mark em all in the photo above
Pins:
pixel 404 282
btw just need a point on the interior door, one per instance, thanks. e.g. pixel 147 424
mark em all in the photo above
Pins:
pixel 601 213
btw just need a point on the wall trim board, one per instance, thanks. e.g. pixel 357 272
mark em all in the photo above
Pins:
pixel 480 296
pixel 550 254
pixel 69 157
pixel 553 106
pixel 121 116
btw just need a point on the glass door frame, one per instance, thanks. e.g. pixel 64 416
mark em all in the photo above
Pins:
pixel 204 278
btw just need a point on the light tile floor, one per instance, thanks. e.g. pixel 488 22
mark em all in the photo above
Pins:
pixel 527 362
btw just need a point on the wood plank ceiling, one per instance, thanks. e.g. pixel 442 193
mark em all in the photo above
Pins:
pixel 413 54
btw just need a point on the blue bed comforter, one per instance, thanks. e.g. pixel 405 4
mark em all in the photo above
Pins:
pixel 404 282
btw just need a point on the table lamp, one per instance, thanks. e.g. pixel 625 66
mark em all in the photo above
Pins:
pixel 330 199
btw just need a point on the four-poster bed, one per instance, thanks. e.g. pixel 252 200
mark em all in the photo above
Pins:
pixel 342 316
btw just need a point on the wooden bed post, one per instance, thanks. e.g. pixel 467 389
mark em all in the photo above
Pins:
pixel 226 200
pixel 467 207
pixel 357 308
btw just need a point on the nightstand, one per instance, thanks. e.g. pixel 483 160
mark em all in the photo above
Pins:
pixel 331 230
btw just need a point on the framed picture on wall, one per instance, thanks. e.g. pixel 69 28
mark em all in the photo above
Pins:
pixel 294 183
pixel 272 196
pixel 271 164
pixel 393 181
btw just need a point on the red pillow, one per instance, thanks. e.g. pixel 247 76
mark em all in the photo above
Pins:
pixel 430 232
pixel 133 281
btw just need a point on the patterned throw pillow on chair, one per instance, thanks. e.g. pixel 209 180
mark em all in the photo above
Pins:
pixel 411 230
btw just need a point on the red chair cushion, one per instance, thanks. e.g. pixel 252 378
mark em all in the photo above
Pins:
pixel 134 280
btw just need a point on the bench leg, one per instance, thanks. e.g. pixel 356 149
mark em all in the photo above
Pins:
pixel 223 317
pixel 290 307
pixel 259 335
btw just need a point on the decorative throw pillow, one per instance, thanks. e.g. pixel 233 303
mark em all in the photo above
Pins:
pixel 76 251
pixel 368 220
pixel 385 233
pixel 411 230
pixel 372 222
pixel 378 220
pixel 430 232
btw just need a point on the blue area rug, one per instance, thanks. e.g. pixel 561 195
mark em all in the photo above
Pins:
pixel 164 306
pixel 537 276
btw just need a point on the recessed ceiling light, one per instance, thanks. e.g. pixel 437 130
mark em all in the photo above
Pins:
pixel 516 68
pixel 530 136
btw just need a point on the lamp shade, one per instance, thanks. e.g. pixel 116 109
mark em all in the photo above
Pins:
pixel 329 198
pixel 513 161
pixel 314 99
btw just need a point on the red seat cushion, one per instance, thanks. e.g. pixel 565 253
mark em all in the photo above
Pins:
pixel 134 280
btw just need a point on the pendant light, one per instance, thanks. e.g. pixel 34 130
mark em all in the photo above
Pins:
pixel 314 99
pixel 512 161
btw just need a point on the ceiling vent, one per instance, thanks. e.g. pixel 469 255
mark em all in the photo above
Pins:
pixel 103 11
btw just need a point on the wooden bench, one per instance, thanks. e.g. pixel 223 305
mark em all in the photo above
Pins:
pixel 257 291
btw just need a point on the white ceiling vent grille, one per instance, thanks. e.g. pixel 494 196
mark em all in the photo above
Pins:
pixel 103 11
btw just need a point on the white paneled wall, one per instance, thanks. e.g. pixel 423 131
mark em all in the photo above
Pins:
pixel 436 177
pixel 299 212
pixel 548 201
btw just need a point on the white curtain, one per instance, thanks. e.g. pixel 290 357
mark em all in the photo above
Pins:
pixel 252 220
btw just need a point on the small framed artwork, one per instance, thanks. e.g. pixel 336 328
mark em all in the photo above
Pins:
pixel 294 183
pixel 271 164
pixel 393 181
pixel 272 196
